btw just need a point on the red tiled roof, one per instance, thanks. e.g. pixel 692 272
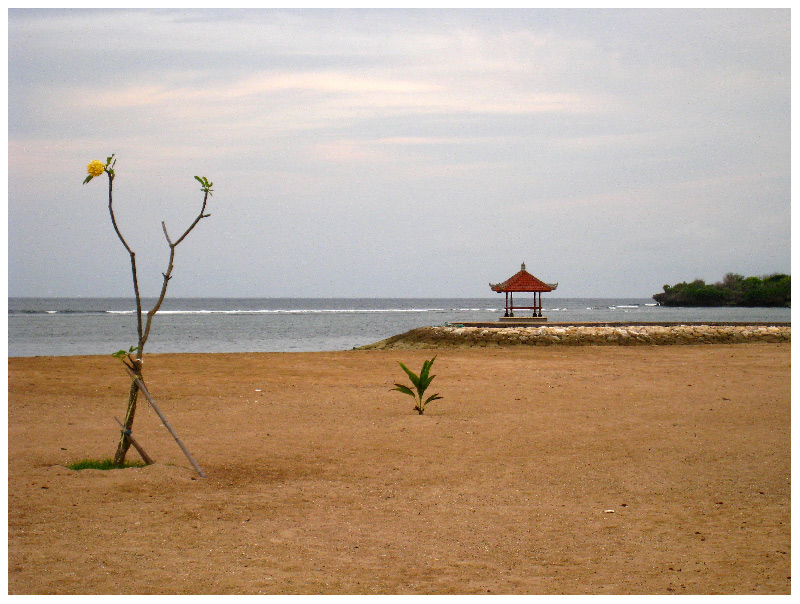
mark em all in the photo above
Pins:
pixel 523 281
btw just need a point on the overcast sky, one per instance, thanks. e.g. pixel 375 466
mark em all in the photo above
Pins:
pixel 387 153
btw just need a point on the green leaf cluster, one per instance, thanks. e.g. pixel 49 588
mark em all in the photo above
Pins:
pixel 205 184
pixel 121 354
pixel 733 290
pixel 420 383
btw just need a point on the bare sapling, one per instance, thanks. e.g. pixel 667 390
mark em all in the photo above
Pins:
pixel 134 356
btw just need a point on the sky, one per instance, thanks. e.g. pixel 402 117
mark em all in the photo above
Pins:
pixel 397 153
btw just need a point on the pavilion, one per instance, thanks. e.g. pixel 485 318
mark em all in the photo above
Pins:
pixel 523 281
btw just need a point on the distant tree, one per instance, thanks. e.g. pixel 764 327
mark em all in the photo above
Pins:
pixel 134 356
pixel 733 290
pixel 732 281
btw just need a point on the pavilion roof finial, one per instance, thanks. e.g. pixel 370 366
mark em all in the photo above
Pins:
pixel 523 266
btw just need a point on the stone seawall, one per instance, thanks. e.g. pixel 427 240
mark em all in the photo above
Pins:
pixel 573 335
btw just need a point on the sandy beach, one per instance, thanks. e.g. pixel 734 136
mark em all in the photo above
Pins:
pixel 544 470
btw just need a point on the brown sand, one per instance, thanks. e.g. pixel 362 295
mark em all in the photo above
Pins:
pixel 543 471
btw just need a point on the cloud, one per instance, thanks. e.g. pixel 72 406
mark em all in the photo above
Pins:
pixel 452 140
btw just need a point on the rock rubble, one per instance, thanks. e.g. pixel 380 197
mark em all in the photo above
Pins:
pixel 628 335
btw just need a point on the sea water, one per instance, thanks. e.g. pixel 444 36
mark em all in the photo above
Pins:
pixel 91 326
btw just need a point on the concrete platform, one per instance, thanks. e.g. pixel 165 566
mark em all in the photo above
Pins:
pixel 522 320
pixel 504 322
pixel 537 322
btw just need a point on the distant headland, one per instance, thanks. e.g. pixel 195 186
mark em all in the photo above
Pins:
pixel 733 290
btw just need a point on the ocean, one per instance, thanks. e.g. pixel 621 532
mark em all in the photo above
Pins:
pixel 92 326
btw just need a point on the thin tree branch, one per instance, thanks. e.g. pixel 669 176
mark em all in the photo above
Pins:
pixel 168 275
pixel 133 261
pixel 196 220
pixel 164 227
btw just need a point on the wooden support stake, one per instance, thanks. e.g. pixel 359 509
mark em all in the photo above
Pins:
pixel 147 459
pixel 149 397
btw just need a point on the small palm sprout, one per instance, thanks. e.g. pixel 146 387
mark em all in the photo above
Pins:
pixel 420 383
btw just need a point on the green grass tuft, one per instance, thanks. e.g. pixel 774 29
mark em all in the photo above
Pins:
pixel 103 464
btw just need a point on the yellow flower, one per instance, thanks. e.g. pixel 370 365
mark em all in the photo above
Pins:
pixel 95 168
